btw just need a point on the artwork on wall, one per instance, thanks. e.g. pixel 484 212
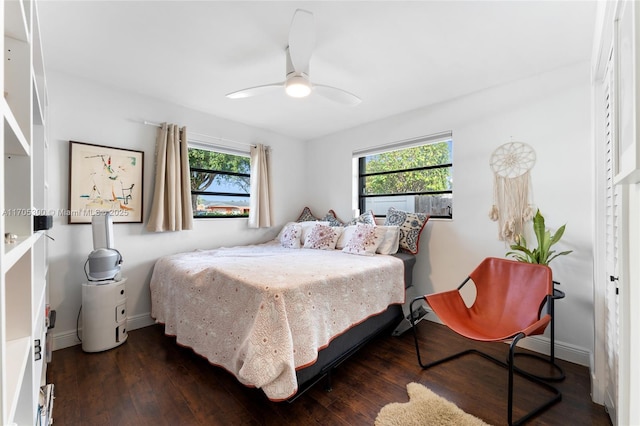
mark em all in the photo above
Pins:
pixel 511 164
pixel 103 178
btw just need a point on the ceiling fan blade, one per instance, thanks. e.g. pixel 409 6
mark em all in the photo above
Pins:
pixel 302 40
pixel 253 91
pixel 337 95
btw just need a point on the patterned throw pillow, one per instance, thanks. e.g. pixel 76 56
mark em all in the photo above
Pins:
pixel 366 217
pixel 365 240
pixel 291 235
pixel 411 225
pixel 306 216
pixel 307 227
pixel 322 237
pixel 332 219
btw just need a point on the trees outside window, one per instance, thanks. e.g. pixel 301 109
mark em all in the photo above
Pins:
pixel 220 183
pixel 415 179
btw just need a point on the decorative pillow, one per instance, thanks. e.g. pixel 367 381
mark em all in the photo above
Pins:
pixel 332 219
pixel 366 217
pixel 283 229
pixel 291 235
pixel 306 216
pixel 346 235
pixel 307 227
pixel 411 225
pixel 365 240
pixel 390 241
pixel 322 237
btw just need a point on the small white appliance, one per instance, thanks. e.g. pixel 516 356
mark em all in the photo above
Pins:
pixel 104 261
pixel 104 298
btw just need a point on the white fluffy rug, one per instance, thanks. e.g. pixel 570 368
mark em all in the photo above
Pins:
pixel 423 409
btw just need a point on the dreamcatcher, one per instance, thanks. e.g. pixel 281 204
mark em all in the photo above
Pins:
pixel 511 164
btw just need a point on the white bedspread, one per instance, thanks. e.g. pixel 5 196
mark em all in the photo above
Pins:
pixel 263 311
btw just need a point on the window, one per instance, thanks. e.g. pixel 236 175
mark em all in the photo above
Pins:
pixel 220 183
pixel 414 176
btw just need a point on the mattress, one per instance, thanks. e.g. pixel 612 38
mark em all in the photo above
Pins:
pixel 263 311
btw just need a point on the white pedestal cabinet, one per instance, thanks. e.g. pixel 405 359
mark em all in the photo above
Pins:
pixel 23 194
pixel 104 315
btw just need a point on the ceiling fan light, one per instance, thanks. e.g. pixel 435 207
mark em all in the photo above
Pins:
pixel 297 87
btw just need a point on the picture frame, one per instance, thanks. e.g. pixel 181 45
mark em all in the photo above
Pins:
pixel 105 179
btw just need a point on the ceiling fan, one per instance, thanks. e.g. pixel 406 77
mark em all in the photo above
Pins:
pixel 298 54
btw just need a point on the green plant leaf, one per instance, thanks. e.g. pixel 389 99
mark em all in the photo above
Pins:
pixel 562 253
pixel 543 253
pixel 556 237
pixel 538 226
pixel 525 256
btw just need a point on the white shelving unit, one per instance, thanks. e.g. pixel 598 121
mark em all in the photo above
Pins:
pixel 23 179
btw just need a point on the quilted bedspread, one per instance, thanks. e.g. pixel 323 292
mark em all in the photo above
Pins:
pixel 263 311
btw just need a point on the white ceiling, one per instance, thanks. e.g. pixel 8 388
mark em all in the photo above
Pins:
pixel 396 55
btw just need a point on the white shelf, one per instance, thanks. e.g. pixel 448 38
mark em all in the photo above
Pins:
pixel 15 20
pixel 15 143
pixel 18 82
pixel 17 352
pixel 23 279
pixel 14 251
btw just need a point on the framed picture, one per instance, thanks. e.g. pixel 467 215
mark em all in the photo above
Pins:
pixel 105 179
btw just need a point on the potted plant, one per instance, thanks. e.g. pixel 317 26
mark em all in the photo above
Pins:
pixel 543 253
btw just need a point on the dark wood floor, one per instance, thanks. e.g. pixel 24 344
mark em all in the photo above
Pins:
pixel 150 380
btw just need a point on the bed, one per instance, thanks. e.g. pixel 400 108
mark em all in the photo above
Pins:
pixel 278 318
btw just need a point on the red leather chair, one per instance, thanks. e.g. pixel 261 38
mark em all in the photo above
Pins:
pixel 509 303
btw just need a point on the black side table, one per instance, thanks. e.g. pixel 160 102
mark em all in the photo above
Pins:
pixel 558 376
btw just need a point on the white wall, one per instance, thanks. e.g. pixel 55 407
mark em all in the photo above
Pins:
pixel 86 112
pixel 551 113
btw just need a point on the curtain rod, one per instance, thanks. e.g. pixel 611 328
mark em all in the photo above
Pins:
pixel 216 138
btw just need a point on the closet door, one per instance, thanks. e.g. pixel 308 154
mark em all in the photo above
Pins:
pixel 612 230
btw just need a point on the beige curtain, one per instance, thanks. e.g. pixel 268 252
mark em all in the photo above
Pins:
pixel 260 204
pixel 171 206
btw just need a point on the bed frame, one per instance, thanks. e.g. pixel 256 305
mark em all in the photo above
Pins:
pixel 348 343
pixel 257 356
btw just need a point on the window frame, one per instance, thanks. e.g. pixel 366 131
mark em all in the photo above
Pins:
pixel 219 150
pixel 360 157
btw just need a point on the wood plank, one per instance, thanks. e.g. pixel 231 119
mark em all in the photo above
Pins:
pixel 152 380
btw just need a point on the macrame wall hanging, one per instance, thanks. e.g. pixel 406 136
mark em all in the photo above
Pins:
pixel 511 164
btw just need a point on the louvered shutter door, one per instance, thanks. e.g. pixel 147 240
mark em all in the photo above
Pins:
pixel 612 225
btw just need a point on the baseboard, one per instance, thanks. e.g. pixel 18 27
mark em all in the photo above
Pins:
pixel 564 351
pixel 66 339
pixel 541 344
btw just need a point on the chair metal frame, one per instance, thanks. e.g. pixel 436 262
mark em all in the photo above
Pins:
pixel 558 374
pixel 509 364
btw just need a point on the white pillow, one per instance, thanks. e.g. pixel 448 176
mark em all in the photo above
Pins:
pixel 391 240
pixel 290 236
pixel 283 229
pixel 365 240
pixel 322 237
pixel 346 235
